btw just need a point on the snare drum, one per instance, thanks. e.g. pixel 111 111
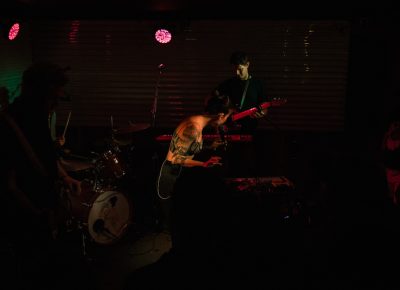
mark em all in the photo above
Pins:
pixel 105 213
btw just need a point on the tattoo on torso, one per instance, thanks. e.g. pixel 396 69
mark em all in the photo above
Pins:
pixel 182 142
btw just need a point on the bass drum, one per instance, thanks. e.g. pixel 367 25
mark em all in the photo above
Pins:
pixel 105 213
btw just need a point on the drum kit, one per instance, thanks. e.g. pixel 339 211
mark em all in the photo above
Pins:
pixel 102 210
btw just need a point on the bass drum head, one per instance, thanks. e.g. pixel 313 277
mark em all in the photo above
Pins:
pixel 109 217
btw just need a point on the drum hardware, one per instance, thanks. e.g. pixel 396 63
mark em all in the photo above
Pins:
pixel 84 252
pixel 100 228
pixel 84 239
pixel 109 166
pixel 101 213
pixel 95 153
pixel 71 222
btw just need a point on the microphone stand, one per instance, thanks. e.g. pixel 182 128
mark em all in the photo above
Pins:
pixel 155 157
pixel 155 100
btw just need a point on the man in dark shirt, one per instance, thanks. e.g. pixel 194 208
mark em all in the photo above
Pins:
pixel 246 92
pixel 29 172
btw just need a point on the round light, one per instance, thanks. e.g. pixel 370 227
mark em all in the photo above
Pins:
pixel 163 36
pixel 13 31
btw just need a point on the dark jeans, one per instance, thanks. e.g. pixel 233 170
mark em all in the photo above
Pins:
pixel 200 214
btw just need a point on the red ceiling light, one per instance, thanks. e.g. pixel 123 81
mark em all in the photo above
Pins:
pixel 13 31
pixel 163 36
pixel 9 29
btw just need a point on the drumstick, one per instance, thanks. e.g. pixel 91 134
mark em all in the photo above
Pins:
pixel 66 124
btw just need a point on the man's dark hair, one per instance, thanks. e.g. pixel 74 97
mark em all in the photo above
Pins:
pixel 218 104
pixel 44 75
pixel 239 57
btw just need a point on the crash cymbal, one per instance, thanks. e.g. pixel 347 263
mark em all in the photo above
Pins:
pixel 123 141
pixel 75 165
pixel 133 127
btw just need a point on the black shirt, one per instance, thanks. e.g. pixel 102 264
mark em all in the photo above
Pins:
pixel 39 188
pixel 234 88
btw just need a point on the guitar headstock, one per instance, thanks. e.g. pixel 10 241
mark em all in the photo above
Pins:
pixel 278 101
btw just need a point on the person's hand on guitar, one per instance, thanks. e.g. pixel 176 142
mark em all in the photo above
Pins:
pixel 217 143
pixel 214 160
pixel 259 114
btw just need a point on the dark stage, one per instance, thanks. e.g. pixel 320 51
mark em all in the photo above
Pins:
pixel 303 203
pixel 327 227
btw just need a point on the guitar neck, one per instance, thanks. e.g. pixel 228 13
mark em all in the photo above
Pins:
pixel 250 111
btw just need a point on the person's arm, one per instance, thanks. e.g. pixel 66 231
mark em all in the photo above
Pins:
pixel 73 184
pixel 8 166
pixel 23 200
pixel 19 195
pixel 59 141
pixel 180 144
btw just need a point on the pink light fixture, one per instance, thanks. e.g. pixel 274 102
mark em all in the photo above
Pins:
pixel 163 36
pixel 13 31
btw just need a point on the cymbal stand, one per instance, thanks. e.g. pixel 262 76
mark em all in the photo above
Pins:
pixel 83 239
pixel 112 128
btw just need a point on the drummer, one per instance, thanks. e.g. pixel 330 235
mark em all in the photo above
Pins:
pixel 30 170
pixel 59 141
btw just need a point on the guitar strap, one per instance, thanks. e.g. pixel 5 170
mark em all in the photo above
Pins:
pixel 244 92
pixel 166 179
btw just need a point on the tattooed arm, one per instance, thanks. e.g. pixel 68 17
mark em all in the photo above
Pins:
pixel 182 141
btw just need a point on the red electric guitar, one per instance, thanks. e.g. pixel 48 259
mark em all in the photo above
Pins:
pixel 274 103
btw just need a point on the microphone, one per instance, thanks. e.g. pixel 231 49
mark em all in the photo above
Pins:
pixel 161 67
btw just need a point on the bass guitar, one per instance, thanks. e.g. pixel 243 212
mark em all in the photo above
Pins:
pixel 274 103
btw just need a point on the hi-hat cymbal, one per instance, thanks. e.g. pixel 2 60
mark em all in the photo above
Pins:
pixel 132 128
pixel 75 165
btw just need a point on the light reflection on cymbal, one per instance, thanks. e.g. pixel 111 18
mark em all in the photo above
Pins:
pixel 132 128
